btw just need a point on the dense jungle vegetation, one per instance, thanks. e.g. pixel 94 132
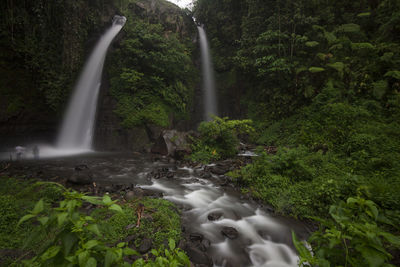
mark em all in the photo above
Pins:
pixel 321 81
pixel 318 81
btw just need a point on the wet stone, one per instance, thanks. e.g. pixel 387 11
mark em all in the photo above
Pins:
pixel 206 243
pixel 129 195
pixel 197 256
pixel 230 232
pixel 145 245
pixel 196 237
pixel 81 167
pixel 214 216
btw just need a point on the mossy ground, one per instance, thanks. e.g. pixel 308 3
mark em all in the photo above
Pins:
pixel 160 221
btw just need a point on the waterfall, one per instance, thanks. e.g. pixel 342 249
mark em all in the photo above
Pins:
pixel 210 100
pixel 78 125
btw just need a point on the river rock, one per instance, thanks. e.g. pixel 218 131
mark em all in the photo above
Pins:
pixel 214 216
pixel 81 176
pixel 129 195
pixel 196 237
pixel 198 256
pixel 230 232
pixel 206 243
pixel 145 245
pixel 172 143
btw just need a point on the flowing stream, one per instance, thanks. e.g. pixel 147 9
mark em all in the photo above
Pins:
pixel 263 238
pixel 77 128
pixel 210 99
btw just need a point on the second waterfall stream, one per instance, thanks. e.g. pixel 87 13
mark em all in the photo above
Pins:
pixel 210 98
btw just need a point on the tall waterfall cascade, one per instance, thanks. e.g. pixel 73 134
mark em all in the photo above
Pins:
pixel 210 99
pixel 78 125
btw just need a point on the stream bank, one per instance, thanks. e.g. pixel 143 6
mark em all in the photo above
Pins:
pixel 220 226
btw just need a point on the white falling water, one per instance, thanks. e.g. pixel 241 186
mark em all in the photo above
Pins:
pixel 210 100
pixel 78 125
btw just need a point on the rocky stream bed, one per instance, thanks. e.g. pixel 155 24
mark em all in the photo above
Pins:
pixel 221 226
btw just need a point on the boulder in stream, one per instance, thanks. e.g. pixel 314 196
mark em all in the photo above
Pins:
pixel 214 216
pixel 172 143
pixel 81 175
pixel 230 232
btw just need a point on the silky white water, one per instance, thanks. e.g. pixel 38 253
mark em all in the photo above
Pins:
pixel 76 133
pixel 210 99
pixel 264 240
pixel 78 125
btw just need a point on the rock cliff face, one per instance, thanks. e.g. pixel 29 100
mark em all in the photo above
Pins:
pixel 109 134
pixel 30 113
pixel 42 49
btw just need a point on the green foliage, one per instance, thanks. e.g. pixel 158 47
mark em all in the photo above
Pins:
pixel 297 181
pixel 164 257
pixel 75 238
pixel 164 223
pixel 219 138
pixel 151 75
pixel 316 69
pixel 17 195
pixel 355 236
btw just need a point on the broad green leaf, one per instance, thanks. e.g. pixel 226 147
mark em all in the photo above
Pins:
pixel 372 207
pixel 393 73
pixel 39 207
pixel 68 240
pixel 129 251
pixel 183 257
pixel 51 252
pixel 121 245
pixel 374 258
pixel 61 218
pixel 339 66
pixel 363 15
pixel 312 43
pixel 362 46
pixel 109 259
pixel 107 200
pixel 25 218
pixel 154 252
pixel 91 262
pixel 94 229
pixel 301 249
pixel 316 69
pixel 395 240
pixel 351 200
pixel 43 220
pixel 115 207
pixel 83 258
pixel 349 28
pixel 90 244
pixel 301 69
pixel 171 244
pixel 93 200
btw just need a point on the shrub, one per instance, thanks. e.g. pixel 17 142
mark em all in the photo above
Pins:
pixel 355 236
pixel 75 238
pixel 219 138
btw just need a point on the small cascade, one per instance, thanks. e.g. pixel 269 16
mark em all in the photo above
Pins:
pixel 210 99
pixel 78 125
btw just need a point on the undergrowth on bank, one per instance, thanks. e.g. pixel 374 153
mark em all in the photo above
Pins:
pixel 219 138
pixel 62 227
